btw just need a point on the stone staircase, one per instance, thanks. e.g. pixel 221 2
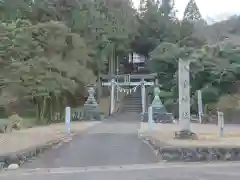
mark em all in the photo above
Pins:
pixel 132 102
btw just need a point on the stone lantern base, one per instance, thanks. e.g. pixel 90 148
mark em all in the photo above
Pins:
pixel 91 110
pixel 185 134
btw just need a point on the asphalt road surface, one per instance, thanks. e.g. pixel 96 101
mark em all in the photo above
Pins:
pixel 111 150
pixel 112 142
pixel 185 171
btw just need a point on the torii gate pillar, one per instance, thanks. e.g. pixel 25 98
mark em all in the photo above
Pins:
pixel 112 102
pixel 143 96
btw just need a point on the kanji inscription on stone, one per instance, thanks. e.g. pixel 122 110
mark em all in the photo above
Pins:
pixel 185 84
pixel 185 114
pixel 185 98
pixel 184 94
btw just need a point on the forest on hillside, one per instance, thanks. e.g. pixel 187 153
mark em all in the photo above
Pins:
pixel 50 50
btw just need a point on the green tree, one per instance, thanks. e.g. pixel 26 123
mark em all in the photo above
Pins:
pixel 54 36
pixel 192 12
pixel 155 25
pixel 48 63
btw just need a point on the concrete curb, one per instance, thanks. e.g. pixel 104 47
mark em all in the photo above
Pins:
pixel 24 155
pixel 192 154
pixel 20 157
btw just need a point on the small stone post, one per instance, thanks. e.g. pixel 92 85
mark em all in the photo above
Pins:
pixel 117 91
pixel 112 96
pixel 150 117
pixel 143 94
pixel 221 123
pixel 67 119
pixel 200 106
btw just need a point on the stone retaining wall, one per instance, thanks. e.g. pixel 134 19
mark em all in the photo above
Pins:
pixel 193 154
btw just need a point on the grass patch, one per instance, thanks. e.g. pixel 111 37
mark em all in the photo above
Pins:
pixel 226 134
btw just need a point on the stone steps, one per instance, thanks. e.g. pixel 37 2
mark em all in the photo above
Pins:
pixel 131 110
pixel 132 102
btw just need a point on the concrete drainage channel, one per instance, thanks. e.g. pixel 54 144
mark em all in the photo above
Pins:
pixel 192 154
pixel 12 161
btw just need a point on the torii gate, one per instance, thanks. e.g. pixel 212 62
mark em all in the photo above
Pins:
pixel 127 82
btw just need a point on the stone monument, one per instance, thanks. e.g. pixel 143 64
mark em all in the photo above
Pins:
pixel 157 103
pixel 184 101
pixel 159 111
pixel 91 110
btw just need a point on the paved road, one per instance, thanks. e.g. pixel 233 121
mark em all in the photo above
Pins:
pixel 112 142
pixel 112 150
pixel 196 171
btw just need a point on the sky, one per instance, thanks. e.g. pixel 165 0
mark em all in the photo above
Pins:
pixel 214 10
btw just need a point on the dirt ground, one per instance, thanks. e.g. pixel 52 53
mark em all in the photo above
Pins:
pixel 26 138
pixel 208 135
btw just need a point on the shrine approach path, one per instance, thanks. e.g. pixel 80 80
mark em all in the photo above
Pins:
pixel 111 142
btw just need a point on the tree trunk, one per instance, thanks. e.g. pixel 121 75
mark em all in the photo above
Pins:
pixel 43 110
